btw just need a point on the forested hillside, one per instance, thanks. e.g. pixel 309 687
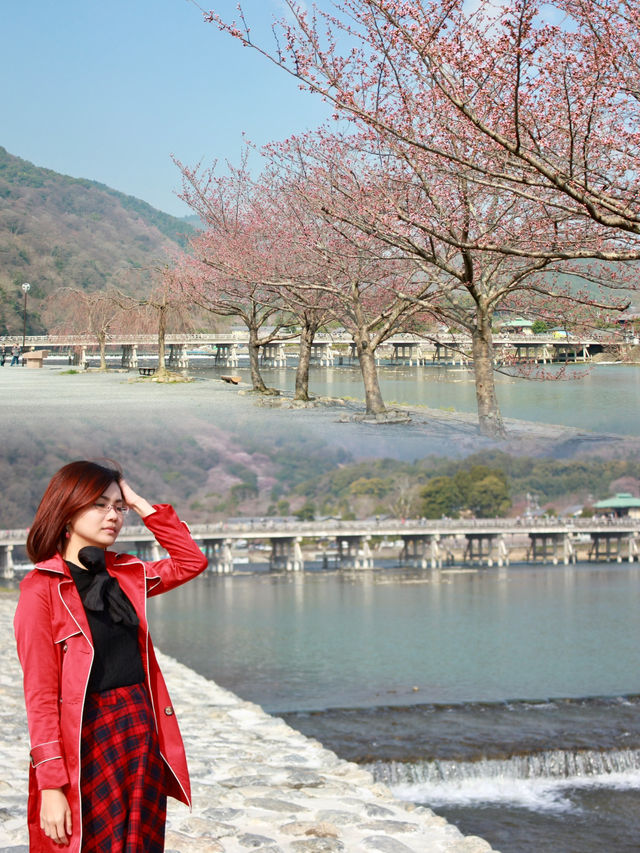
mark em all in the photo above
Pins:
pixel 56 230
pixel 485 485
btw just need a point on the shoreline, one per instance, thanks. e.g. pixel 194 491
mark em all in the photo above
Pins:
pixel 459 428
pixel 256 782
pixel 338 419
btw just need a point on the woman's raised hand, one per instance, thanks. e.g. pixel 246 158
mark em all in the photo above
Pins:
pixel 135 501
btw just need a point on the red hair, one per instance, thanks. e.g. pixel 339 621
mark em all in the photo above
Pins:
pixel 74 487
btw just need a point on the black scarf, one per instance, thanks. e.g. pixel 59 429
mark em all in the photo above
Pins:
pixel 100 591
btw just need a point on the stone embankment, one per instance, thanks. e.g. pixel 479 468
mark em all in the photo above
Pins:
pixel 257 783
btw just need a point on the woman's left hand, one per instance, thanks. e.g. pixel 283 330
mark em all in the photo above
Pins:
pixel 135 501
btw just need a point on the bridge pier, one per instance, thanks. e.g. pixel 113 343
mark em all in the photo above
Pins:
pixel 549 546
pixel 274 355
pixel 403 352
pixel 6 561
pixel 227 355
pixel 129 358
pixel 218 552
pixel 322 353
pixel 409 352
pixel 78 357
pixel 178 358
pixel 354 552
pixel 447 354
pixel 286 554
pixel 486 546
pixel 569 551
pixel 606 547
pixel 423 551
pixel 148 550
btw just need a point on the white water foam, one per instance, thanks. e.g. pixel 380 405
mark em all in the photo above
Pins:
pixel 537 782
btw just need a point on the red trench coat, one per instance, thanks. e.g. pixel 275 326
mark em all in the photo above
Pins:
pixel 56 653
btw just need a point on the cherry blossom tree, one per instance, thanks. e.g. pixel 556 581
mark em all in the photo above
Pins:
pixel 165 308
pixel 554 86
pixel 269 248
pixel 460 199
pixel 230 266
pixel 356 277
pixel 332 273
pixel 428 219
pixel 97 313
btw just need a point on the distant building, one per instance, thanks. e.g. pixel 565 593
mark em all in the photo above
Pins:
pixel 621 505
pixel 518 326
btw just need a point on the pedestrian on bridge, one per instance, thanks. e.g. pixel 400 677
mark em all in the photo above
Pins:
pixel 105 745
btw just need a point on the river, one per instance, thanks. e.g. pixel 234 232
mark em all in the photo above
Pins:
pixel 507 701
pixel 600 398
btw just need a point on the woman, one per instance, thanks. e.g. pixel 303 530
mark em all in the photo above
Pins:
pixel 105 744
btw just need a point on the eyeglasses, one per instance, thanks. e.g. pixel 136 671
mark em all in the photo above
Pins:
pixel 104 508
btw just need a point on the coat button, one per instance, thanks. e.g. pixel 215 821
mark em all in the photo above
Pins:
pixel 64 648
pixel 168 711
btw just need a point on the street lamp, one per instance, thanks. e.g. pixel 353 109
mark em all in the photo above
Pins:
pixel 26 287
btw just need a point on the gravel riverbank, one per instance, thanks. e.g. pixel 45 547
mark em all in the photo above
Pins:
pixel 257 783
pixel 114 411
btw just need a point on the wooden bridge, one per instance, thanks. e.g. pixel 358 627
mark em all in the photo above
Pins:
pixel 413 542
pixel 229 349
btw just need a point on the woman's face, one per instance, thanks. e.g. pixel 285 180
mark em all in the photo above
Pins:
pixel 96 525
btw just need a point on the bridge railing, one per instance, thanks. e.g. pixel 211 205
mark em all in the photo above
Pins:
pixel 266 528
pixel 242 337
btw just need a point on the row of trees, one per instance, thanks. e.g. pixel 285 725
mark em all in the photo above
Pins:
pixel 485 158
pixel 102 313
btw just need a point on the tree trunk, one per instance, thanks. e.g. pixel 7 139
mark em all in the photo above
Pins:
pixel 102 343
pixel 307 334
pixel 489 417
pixel 373 397
pixel 254 361
pixel 162 331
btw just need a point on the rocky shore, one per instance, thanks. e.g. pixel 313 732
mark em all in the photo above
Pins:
pixel 257 783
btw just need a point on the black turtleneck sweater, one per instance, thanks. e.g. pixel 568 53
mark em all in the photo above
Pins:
pixel 117 661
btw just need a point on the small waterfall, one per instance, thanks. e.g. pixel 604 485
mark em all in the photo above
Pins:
pixel 551 764
pixel 537 781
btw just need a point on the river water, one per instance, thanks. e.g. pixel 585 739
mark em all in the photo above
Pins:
pixel 600 398
pixel 506 701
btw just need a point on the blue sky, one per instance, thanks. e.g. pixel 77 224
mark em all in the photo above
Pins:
pixel 109 90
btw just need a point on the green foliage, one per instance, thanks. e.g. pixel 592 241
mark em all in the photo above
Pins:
pixel 375 486
pixel 441 496
pixel 484 483
pixel 479 489
pixel 539 327
pixel 489 497
pixel 243 491
pixel 307 512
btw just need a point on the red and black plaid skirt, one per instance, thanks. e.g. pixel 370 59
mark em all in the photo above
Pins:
pixel 123 780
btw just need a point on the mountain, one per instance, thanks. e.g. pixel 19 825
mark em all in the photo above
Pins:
pixel 56 230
